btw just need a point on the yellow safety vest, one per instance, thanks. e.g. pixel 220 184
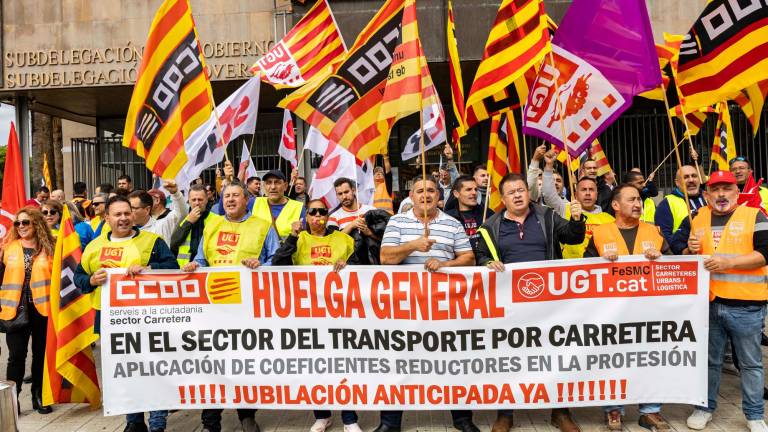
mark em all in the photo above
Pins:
pixel 227 243
pixel 735 240
pixel 608 238
pixel 290 214
pixel 592 220
pixel 185 254
pixel 314 250
pixel 764 197
pixel 13 281
pixel 679 210
pixel 649 211
pixel 102 252
pixel 95 223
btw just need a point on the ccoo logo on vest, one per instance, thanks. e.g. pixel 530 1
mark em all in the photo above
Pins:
pixel 175 289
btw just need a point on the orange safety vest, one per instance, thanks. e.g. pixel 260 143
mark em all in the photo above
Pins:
pixel 13 281
pixel 608 238
pixel 382 199
pixel 735 240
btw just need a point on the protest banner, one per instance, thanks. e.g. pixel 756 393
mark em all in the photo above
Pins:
pixel 580 332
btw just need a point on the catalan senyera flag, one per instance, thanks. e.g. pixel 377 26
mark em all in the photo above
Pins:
pixel 696 117
pixel 69 374
pixel 172 95
pixel 724 146
pixel 47 172
pixel 408 88
pixel 312 46
pixel 345 105
pixel 457 82
pixel 595 152
pixel 725 51
pixel 518 41
pixel 503 155
pixel 751 101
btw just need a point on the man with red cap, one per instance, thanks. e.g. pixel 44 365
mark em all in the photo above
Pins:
pixel 735 238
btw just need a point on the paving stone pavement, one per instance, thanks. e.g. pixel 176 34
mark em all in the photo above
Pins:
pixel 72 418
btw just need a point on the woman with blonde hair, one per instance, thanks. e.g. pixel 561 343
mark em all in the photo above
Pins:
pixel 25 270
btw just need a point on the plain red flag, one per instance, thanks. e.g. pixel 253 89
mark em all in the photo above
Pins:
pixel 14 195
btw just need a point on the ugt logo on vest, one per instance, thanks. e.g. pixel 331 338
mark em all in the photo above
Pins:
pixel 111 254
pixel 323 251
pixel 227 242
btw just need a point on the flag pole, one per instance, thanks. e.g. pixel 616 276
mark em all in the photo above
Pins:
pixel 665 158
pixel 490 183
pixel 688 134
pixel 559 107
pixel 525 143
pixel 677 151
pixel 298 164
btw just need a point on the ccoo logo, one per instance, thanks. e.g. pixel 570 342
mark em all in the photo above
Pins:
pixel 531 285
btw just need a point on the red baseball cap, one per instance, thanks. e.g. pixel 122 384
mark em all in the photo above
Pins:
pixel 721 177
pixel 157 193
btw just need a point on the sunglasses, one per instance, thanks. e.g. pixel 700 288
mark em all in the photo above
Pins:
pixel 737 159
pixel 25 222
pixel 97 203
pixel 317 211
pixel 49 212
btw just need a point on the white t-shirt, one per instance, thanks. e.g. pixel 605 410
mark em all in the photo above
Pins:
pixel 341 218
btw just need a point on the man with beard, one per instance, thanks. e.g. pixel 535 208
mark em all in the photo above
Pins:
pixel 350 213
pixel 735 238
pixel 467 211
pixel 672 210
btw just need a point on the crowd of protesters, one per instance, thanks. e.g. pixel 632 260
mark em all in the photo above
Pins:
pixel 443 222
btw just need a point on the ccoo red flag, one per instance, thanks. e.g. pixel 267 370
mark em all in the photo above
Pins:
pixel 13 192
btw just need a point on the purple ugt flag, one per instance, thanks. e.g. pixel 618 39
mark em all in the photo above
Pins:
pixel 604 54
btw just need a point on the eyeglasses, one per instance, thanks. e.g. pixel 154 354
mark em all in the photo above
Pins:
pixel 97 203
pixel 50 212
pixel 25 222
pixel 317 211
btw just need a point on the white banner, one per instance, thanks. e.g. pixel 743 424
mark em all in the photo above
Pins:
pixel 569 333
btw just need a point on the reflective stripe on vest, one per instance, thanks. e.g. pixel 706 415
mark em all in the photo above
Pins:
pixel 491 247
pixel 227 243
pixel 102 252
pixel 290 214
pixel 678 209
pixel 13 280
pixel 609 241
pixel 592 220
pixel 185 254
pixel 649 211
pixel 735 240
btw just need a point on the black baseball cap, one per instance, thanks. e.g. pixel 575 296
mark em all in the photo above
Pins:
pixel 274 173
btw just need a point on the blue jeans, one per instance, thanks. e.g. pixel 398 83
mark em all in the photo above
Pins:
pixel 347 417
pixel 157 419
pixel 645 408
pixel 744 325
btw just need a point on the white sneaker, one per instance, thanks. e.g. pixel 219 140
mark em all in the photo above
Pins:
pixel 321 425
pixel 354 427
pixel 757 426
pixel 698 419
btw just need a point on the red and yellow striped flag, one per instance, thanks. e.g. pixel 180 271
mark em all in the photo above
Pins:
pixel 724 146
pixel 595 152
pixel 696 118
pixel 47 172
pixel 457 82
pixel 312 46
pixel 751 101
pixel 172 95
pixel 345 105
pixel 503 155
pixel 69 373
pixel 723 52
pixel 409 87
pixel 518 41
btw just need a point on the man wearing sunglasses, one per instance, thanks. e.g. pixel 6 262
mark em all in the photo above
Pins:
pixel 426 236
pixel 629 235
pixel 522 232
pixel 236 238
pixel 742 170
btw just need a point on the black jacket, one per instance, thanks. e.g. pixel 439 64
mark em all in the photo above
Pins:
pixel 556 230
pixel 367 249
